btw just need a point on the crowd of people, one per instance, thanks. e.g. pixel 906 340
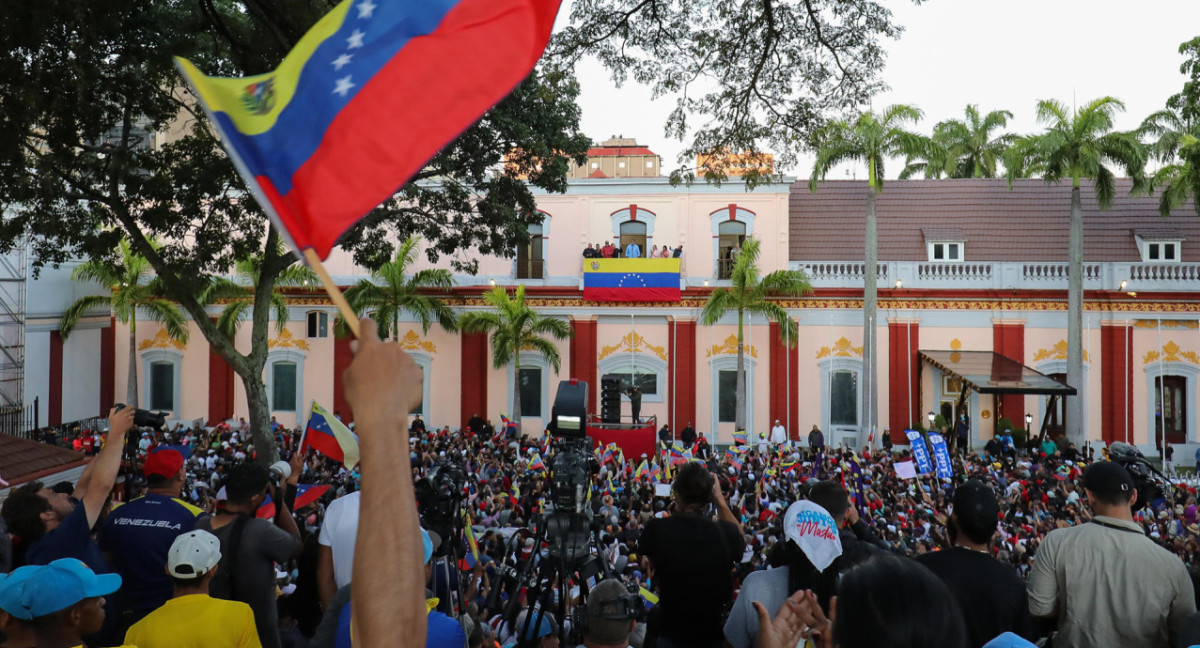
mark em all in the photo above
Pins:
pixel 764 544
pixel 631 250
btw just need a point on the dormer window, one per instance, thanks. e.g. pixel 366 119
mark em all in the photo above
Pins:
pixel 1159 247
pixel 946 251
pixel 945 244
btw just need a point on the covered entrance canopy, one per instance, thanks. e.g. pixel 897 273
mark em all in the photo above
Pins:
pixel 988 372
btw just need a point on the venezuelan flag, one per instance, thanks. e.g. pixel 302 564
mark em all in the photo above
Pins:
pixel 362 102
pixel 330 437
pixel 631 280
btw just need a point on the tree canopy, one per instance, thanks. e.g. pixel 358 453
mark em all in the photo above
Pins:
pixel 747 76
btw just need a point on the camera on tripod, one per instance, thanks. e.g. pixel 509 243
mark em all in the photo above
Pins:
pixel 1150 483
pixel 440 494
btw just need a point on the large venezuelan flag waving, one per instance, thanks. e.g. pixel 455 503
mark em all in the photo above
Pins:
pixel 365 99
pixel 631 280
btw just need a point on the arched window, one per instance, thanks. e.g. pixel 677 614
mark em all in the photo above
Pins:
pixel 730 236
pixel 162 373
pixel 531 256
pixel 633 232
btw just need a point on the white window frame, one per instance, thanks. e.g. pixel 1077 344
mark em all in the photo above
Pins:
pixel 1190 373
pixel 827 367
pixel 170 356
pixel 544 242
pixel 425 362
pixel 595 165
pixel 318 314
pixel 728 363
pixel 623 362
pixel 931 247
pixel 1144 247
pixel 532 359
pixel 643 216
pixel 649 164
pixel 715 219
pixel 285 355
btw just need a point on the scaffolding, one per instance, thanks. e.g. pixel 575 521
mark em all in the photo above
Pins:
pixel 13 275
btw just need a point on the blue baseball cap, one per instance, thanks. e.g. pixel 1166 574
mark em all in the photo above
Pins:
pixel 63 583
pixel 546 628
pixel 11 587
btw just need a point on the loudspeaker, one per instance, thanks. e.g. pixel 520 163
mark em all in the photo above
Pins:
pixel 610 399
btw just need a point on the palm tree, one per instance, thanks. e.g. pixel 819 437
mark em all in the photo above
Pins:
pixel 869 139
pixel 390 291
pixel 748 293
pixel 1177 146
pixel 239 297
pixel 133 287
pixel 515 327
pixel 963 148
pixel 1079 144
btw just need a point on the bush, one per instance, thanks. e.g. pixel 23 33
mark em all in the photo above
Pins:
pixel 1002 424
pixel 1020 437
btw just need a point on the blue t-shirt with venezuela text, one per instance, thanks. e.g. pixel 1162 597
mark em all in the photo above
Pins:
pixel 137 536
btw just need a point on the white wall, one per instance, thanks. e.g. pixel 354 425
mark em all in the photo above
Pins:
pixel 81 375
pixel 37 371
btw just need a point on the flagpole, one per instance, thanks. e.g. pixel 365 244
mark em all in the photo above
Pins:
pixel 339 300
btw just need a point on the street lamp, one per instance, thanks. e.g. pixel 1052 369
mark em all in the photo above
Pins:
pixel 899 284
pixel 1028 425
pixel 493 282
pixel 931 417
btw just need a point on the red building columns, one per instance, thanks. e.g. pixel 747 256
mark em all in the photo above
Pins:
pixel 904 389
pixel 476 361
pixel 583 357
pixel 1116 380
pixel 1008 339
pixel 785 378
pixel 681 372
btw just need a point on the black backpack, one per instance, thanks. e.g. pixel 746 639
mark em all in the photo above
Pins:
pixel 222 586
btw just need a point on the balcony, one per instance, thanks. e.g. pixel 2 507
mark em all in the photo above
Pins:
pixel 530 268
pixel 1175 277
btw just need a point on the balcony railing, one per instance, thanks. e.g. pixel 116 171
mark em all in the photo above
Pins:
pixel 1182 277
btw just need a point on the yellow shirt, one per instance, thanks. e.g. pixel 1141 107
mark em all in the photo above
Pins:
pixel 196 621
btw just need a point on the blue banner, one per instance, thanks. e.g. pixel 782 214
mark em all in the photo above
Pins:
pixel 945 470
pixel 920 451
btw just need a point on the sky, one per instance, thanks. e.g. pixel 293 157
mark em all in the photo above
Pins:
pixel 999 55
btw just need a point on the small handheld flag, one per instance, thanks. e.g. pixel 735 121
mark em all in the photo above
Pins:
pixel 330 437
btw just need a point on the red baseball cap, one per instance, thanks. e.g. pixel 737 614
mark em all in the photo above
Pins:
pixel 164 463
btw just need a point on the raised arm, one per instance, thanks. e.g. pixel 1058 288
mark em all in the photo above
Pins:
pixel 383 384
pixel 98 478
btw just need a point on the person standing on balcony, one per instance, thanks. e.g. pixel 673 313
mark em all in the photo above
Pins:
pixel 654 254
pixel 665 253
pixel 678 252
pixel 633 250
pixel 607 251
pixel 635 401
pixel 589 252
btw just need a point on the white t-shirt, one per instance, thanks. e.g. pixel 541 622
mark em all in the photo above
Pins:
pixel 339 533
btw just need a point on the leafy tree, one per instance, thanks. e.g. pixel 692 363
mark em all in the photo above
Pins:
pixel 132 288
pixel 965 148
pixel 238 301
pixel 1174 132
pixel 871 138
pixel 514 327
pixel 99 141
pixel 391 291
pixel 1187 102
pixel 1078 145
pixel 748 293
pixel 747 76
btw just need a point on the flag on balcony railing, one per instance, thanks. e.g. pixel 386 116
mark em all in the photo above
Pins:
pixel 362 102
pixel 631 280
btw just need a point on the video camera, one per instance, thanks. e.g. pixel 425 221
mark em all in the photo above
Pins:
pixel 1149 482
pixel 440 494
pixel 145 418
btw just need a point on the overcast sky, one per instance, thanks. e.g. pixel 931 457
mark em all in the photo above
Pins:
pixel 999 55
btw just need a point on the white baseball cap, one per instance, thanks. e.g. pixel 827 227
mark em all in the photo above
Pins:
pixel 193 554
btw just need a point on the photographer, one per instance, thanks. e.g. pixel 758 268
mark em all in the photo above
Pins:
pixel 610 616
pixel 691 559
pixel 250 547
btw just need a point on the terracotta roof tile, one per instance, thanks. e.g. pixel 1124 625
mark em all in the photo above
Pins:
pixel 1027 223
pixel 22 459
pixel 598 174
pixel 607 151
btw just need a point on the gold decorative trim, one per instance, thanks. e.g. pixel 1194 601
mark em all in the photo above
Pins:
pixel 161 341
pixel 1171 353
pixel 633 343
pixel 956 344
pixel 841 349
pixel 413 342
pixel 1057 352
pixel 730 347
pixel 287 341
pixel 1166 324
